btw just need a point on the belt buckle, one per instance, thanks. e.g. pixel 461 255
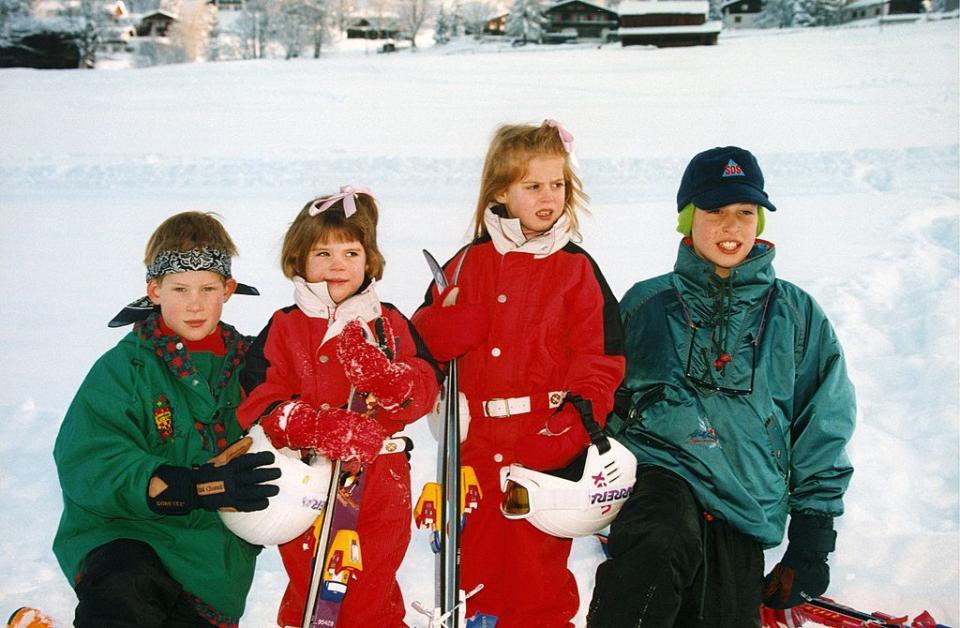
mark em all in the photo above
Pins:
pixel 506 408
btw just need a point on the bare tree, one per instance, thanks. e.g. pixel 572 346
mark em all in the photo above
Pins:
pixel 191 32
pixel 413 15
pixel 343 11
pixel 475 16
pixel 316 14
pixel 255 27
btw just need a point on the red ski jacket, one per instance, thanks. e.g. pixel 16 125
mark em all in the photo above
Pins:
pixel 554 326
pixel 289 360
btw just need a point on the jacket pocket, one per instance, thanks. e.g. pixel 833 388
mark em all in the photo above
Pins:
pixel 778 445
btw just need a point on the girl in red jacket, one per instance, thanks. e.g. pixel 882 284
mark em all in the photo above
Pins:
pixel 299 376
pixel 531 319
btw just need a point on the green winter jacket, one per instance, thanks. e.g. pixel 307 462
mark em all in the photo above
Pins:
pixel 144 404
pixel 750 458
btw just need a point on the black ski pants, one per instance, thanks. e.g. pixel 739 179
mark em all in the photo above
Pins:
pixel 124 585
pixel 672 565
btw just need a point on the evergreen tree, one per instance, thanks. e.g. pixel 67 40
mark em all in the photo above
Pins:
pixel 776 14
pixel 526 21
pixel 440 27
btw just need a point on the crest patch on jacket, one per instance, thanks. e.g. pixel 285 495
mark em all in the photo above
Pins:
pixel 163 417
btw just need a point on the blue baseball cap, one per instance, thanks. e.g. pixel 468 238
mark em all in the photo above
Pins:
pixel 721 176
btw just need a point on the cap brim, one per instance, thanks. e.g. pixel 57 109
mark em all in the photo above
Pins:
pixel 731 193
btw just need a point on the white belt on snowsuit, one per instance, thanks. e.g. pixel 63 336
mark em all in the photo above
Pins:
pixel 503 407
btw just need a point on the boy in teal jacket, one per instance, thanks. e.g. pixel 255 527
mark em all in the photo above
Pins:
pixel 139 538
pixel 737 405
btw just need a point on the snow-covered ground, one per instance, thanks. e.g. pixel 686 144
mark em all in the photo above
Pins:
pixel 857 130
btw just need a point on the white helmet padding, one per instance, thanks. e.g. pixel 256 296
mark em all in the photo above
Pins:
pixel 302 497
pixel 580 499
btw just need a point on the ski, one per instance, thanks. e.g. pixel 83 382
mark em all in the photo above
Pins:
pixel 336 556
pixel 823 611
pixel 442 507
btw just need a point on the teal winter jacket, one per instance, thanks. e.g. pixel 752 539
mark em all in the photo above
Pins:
pixel 739 386
pixel 146 403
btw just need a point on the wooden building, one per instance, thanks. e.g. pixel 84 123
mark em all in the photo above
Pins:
pixel 155 24
pixel 667 23
pixel 385 27
pixel 579 19
pixel 740 13
pixel 880 9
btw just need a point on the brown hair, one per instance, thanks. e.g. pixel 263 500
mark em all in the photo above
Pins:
pixel 333 225
pixel 511 149
pixel 186 231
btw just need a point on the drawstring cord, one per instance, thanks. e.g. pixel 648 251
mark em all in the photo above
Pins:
pixel 707 518
pixel 721 291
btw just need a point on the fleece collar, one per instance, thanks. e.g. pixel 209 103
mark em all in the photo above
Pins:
pixel 749 281
pixel 314 300
pixel 507 235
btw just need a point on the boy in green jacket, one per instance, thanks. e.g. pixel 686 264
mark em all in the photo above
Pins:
pixel 737 405
pixel 139 538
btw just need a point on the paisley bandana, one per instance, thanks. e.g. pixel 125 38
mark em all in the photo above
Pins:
pixel 174 261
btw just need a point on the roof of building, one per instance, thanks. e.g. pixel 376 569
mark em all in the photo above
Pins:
pixel 586 2
pixel 705 28
pixel 860 4
pixel 726 3
pixel 652 7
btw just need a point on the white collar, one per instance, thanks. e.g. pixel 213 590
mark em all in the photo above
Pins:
pixel 314 300
pixel 507 235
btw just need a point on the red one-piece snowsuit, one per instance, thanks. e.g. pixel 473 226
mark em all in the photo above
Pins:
pixel 292 359
pixel 553 328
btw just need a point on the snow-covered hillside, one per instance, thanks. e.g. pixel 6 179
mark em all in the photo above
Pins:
pixel 857 130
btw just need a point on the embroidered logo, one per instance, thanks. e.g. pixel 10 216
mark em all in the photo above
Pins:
pixel 163 416
pixel 704 435
pixel 733 169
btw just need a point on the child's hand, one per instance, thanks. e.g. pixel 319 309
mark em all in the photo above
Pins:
pixel 370 371
pixel 561 440
pixel 239 484
pixel 450 330
pixel 338 433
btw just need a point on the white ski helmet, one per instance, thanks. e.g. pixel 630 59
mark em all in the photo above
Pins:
pixel 579 500
pixel 302 497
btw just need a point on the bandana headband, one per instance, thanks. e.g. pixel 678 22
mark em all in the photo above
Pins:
pixel 204 258
pixel 348 194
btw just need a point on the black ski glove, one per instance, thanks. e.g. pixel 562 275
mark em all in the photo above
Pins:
pixel 237 484
pixel 803 570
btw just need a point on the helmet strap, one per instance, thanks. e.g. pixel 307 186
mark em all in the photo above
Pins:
pixel 584 408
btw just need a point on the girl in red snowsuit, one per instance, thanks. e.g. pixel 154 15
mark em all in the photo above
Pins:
pixel 299 376
pixel 530 318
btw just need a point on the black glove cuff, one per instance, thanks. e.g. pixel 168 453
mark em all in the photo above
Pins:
pixel 812 533
pixel 179 496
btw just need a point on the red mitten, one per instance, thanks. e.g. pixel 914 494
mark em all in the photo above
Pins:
pixel 370 371
pixel 452 330
pixel 338 433
pixel 561 440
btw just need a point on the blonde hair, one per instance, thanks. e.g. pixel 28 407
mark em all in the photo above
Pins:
pixel 186 231
pixel 511 149
pixel 333 225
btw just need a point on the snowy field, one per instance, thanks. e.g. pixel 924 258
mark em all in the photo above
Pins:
pixel 857 130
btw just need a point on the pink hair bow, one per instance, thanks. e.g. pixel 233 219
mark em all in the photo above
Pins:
pixel 347 193
pixel 565 136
